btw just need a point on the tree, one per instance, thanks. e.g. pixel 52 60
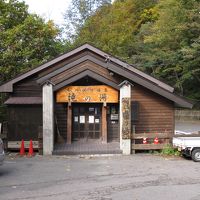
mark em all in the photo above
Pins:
pixel 26 41
pixel 159 37
pixel 170 45
pixel 113 28
pixel 78 12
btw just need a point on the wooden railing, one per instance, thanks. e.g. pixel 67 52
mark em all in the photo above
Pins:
pixel 163 138
pixel 15 145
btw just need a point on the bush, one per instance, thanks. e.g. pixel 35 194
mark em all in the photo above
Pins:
pixel 170 150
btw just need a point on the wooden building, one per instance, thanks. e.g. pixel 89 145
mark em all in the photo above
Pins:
pixel 89 94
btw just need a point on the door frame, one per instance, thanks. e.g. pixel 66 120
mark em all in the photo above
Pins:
pixel 103 120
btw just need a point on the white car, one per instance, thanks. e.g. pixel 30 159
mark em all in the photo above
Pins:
pixel 188 146
pixel 2 154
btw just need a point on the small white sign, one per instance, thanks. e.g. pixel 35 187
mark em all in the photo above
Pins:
pixel 76 119
pixel 114 117
pixel 91 119
pixel 91 109
pixel 97 121
pixel 82 119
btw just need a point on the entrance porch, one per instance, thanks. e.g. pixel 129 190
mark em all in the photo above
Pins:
pixel 90 146
pixel 94 116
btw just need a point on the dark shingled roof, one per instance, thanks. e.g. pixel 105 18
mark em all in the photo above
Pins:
pixel 24 100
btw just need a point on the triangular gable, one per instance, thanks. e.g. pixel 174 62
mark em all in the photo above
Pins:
pixel 113 64
pixel 8 86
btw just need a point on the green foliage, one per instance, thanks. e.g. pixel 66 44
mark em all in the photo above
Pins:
pixel 170 45
pixel 169 150
pixel 159 37
pixel 113 27
pixel 78 12
pixel 25 39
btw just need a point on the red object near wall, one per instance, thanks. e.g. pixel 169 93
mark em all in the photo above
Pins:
pixel 156 141
pixel 30 152
pixel 22 149
pixel 144 140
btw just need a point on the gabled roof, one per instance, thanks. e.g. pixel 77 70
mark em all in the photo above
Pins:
pixel 113 64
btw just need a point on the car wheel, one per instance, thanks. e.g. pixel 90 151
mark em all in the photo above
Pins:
pixel 196 155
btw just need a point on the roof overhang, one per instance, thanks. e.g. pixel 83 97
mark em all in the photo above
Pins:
pixel 23 101
pixel 113 64
pixel 82 75
pixel 8 86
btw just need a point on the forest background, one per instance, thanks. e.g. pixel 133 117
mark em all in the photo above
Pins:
pixel 159 37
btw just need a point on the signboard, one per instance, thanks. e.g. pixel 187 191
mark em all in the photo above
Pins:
pixel 114 116
pixel 126 118
pixel 81 94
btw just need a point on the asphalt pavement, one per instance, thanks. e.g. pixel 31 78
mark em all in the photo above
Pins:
pixel 135 177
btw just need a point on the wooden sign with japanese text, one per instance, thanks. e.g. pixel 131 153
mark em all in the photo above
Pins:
pixel 126 118
pixel 81 94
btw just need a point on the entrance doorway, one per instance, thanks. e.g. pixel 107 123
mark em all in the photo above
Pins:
pixel 86 121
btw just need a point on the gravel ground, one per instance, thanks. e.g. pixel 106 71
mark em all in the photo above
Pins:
pixel 135 177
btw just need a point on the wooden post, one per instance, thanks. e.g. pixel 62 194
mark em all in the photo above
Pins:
pixel 104 124
pixel 40 140
pixel 69 124
pixel 133 141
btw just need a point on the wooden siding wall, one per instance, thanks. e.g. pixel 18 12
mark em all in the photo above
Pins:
pixel 63 63
pixel 61 124
pixel 24 121
pixel 30 88
pixel 82 67
pixel 69 60
pixel 156 114
pixel 27 88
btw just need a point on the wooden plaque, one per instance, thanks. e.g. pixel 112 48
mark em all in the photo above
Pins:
pixel 82 94
pixel 126 118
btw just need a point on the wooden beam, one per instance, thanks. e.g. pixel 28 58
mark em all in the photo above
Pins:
pixel 151 135
pixel 17 144
pixel 104 124
pixel 69 124
pixel 148 146
pixel 82 75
